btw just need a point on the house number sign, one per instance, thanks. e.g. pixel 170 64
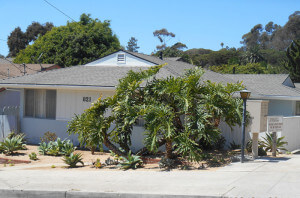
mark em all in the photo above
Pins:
pixel 87 99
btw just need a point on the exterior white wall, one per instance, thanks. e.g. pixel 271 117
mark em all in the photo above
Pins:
pixel 282 107
pixel 291 131
pixel 70 102
pixel 34 128
pixel 111 60
pixel 233 134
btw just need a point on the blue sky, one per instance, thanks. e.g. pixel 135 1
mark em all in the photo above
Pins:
pixel 196 23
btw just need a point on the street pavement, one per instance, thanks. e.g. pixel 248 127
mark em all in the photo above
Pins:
pixel 264 177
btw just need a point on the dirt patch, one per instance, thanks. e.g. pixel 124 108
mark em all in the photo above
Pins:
pixel 12 161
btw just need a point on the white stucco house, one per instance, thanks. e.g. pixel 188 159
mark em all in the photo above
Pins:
pixel 49 100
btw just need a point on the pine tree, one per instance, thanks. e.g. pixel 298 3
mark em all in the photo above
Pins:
pixel 293 64
pixel 132 45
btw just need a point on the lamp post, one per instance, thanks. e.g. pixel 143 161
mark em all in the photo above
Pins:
pixel 245 94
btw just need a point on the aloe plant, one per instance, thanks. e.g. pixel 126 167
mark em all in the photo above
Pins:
pixel 132 161
pixel 73 160
pixel 10 145
pixel 58 147
pixel 68 148
pixel 53 149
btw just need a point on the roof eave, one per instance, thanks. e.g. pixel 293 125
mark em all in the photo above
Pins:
pixel 68 87
pixel 275 97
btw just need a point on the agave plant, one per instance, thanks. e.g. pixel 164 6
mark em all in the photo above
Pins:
pixel 132 161
pixel 73 160
pixel 10 145
pixel 43 148
pixel 268 143
pixel 68 148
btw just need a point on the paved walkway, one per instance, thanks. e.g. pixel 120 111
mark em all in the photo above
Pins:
pixel 261 178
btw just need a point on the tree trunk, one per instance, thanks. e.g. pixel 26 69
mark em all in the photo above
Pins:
pixel 93 150
pixel 145 149
pixel 169 148
pixel 112 147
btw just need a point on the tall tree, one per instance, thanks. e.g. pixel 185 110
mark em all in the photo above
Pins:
pixel 73 44
pixel 252 38
pixel 16 41
pixel 36 29
pixel 293 64
pixel 132 45
pixel 163 35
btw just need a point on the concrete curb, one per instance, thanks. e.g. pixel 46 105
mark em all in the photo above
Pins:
pixel 10 193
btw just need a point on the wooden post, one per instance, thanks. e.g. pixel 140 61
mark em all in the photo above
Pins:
pixel 255 145
pixel 274 146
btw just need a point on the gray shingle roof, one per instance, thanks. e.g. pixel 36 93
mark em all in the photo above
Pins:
pixel 108 76
pixel 265 84
pixel 105 76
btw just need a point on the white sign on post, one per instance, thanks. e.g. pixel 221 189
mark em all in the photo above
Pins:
pixel 275 123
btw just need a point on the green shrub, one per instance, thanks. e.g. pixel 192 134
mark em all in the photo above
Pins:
pixel 268 143
pixel 73 160
pixel 48 137
pixel 10 145
pixel 58 147
pixel 132 161
pixel 18 135
pixel 33 156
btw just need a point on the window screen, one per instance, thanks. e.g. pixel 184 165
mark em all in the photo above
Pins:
pixel 29 102
pixel 297 107
pixel 50 104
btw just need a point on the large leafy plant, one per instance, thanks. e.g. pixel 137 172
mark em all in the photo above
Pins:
pixel 178 113
pixel 268 143
pixel 10 145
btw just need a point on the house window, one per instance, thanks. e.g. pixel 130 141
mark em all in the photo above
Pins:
pixel 297 107
pixel 40 103
pixel 121 58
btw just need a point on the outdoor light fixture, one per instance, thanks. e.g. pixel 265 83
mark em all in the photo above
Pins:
pixel 245 94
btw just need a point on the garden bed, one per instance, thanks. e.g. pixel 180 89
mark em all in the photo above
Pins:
pixel 21 158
